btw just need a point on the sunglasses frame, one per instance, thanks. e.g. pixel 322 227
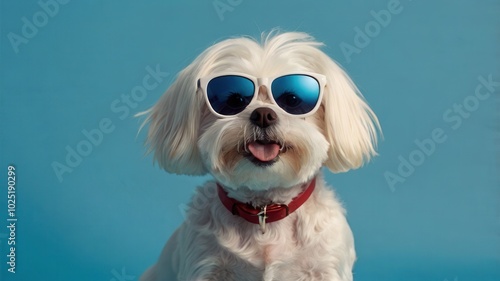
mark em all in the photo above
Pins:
pixel 257 82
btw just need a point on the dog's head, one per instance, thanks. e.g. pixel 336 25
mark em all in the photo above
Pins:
pixel 212 120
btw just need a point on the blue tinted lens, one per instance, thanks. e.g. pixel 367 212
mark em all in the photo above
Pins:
pixel 230 94
pixel 296 93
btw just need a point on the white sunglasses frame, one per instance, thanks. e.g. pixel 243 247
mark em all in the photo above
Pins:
pixel 321 79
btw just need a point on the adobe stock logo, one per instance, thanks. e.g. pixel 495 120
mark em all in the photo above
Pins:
pixel 122 275
pixel 121 107
pixel 223 6
pixel 364 36
pixel 454 117
pixel 31 26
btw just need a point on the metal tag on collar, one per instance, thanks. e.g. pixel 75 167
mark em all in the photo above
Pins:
pixel 262 218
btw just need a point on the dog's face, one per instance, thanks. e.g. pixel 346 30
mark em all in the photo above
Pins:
pixel 263 145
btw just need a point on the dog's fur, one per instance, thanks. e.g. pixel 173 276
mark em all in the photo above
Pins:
pixel 314 242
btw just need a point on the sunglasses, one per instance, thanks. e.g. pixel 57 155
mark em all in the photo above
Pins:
pixel 297 94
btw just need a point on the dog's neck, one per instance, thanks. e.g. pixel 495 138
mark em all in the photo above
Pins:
pixel 280 195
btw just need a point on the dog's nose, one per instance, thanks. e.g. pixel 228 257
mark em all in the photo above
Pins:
pixel 263 117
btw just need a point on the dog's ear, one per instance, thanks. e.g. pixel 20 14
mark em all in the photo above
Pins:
pixel 174 124
pixel 351 127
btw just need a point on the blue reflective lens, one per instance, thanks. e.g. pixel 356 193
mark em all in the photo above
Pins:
pixel 296 93
pixel 230 94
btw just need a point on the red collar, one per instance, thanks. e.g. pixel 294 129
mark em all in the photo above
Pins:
pixel 268 213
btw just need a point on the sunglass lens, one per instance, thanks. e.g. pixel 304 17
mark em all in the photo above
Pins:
pixel 296 93
pixel 230 94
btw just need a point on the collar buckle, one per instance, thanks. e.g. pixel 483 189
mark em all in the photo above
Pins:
pixel 262 218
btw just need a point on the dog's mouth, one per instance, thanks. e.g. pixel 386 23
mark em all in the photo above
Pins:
pixel 264 152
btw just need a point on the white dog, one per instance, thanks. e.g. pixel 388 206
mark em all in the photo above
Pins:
pixel 262 119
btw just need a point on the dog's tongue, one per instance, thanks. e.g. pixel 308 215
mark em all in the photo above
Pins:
pixel 264 152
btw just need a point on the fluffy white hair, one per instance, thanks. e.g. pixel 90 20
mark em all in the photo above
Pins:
pixel 186 138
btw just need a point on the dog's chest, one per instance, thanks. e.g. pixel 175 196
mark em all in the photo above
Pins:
pixel 262 256
pixel 272 262
pixel 310 244
pixel 257 262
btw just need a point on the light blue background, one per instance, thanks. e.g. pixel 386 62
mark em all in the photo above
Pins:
pixel 115 210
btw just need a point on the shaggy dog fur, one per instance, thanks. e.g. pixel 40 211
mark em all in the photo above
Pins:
pixel 311 244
